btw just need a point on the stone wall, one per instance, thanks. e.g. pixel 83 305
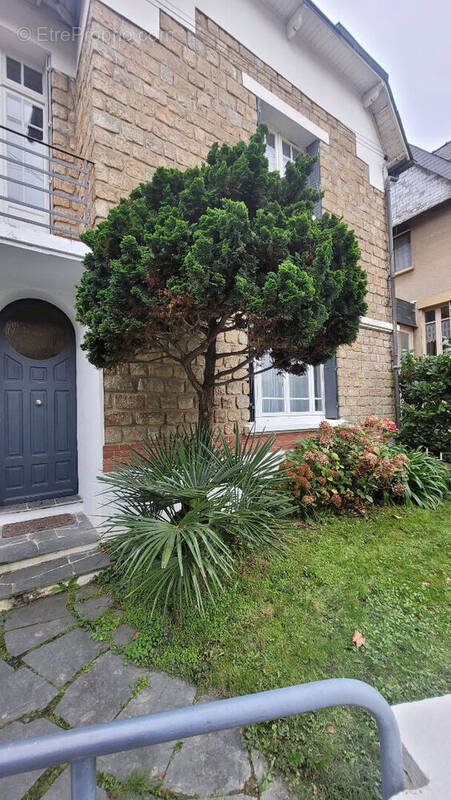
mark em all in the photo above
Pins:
pixel 365 381
pixel 141 103
pixel 64 136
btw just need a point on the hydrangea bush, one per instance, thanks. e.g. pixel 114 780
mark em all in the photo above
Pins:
pixel 347 467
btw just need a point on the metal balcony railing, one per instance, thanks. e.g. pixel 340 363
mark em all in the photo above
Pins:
pixel 80 747
pixel 41 184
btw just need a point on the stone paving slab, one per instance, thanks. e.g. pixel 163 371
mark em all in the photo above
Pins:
pixel 61 659
pixel 123 635
pixel 5 670
pixel 43 610
pixel 23 639
pixel 98 695
pixel 210 764
pixel 93 608
pixel 23 692
pixel 163 694
pixel 259 764
pixel 14 786
pixel 87 590
pixel 60 789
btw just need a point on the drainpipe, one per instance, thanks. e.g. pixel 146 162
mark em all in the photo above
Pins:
pixel 395 354
pixel 48 85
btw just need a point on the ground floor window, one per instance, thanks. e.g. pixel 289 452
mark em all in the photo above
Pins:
pixel 445 326
pixel 280 395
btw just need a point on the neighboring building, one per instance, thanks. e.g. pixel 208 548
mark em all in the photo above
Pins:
pixel 117 89
pixel 421 210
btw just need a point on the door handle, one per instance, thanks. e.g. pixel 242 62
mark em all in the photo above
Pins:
pixel 38 402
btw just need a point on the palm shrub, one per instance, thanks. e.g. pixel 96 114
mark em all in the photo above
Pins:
pixel 187 506
pixel 428 480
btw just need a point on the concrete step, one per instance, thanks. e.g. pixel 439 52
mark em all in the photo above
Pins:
pixel 425 728
pixel 33 562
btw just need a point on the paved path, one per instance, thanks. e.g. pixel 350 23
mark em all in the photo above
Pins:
pixel 54 676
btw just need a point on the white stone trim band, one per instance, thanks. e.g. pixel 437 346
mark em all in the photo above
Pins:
pixel 280 105
pixel 376 324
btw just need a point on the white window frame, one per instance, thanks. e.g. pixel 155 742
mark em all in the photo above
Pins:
pixel 279 138
pixel 442 338
pixel 10 87
pixel 405 232
pixel 287 420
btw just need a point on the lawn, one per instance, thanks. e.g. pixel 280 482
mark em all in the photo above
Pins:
pixel 291 619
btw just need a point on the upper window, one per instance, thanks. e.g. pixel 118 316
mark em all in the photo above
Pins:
pixel 404 343
pixel 24 75
pixel 279 152
pixel 22 112
pixel 402 250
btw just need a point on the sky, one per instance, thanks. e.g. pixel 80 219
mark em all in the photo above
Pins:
pixel 411 40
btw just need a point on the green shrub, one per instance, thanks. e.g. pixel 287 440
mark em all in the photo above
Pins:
pixel 347 467
pixel 425 383
pixel 428 480
pixel 186 507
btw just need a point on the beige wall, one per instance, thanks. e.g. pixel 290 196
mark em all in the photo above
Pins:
pixel 430 237
pixel 428 282
pixel 140 103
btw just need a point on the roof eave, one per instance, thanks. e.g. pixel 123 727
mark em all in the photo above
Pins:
pixel 402 157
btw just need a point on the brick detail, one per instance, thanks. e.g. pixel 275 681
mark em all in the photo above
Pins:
pixel 115 454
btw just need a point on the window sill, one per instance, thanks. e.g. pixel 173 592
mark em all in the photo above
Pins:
pixel 403 271
pixel 297 423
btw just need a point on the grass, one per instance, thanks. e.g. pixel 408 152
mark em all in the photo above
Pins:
pixel 291 619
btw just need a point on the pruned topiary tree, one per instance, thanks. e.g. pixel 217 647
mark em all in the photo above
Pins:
pixel 226 246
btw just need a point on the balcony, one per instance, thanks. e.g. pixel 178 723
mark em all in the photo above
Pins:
pixel 42 185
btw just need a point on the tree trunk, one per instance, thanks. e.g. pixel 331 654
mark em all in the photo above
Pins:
pixel 206 395
pixel 205 407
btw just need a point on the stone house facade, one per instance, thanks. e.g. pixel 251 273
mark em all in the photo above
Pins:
pixel 130 89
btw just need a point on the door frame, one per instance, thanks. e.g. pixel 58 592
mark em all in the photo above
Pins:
pixel 71 347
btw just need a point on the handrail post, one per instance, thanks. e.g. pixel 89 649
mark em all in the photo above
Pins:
pixel 83 779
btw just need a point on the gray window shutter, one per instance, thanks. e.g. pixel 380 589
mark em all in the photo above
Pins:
pixel 331 389
pixel 330 367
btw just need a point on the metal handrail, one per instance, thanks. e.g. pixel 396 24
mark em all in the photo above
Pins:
pixel 47 144
pixel 55 217
pixel 81 746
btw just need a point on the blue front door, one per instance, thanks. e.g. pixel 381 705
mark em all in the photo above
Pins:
pixel 38 415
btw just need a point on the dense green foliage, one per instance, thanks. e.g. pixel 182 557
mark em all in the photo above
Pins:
pixel 186 507
pixel 425 383
pixel 291 619
pixel 347 467
pixel 221 247
pixel 428 483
